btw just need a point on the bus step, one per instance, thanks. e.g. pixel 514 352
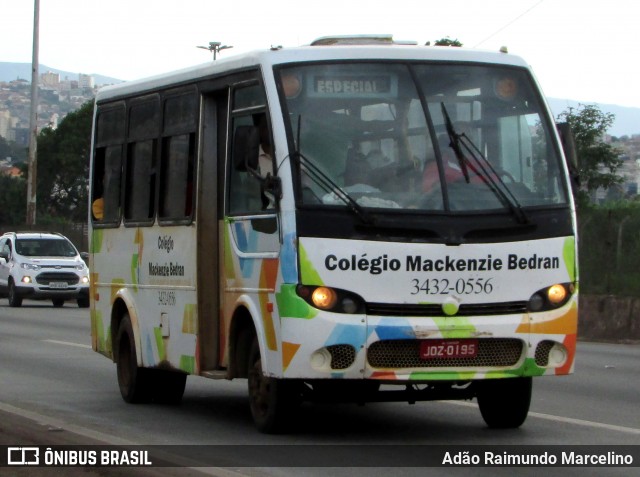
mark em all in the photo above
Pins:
pixel 215 374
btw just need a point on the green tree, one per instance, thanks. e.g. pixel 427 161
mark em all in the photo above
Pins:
pixel 63 168
pixel 446 42
pixel 598 161
pixel 13 200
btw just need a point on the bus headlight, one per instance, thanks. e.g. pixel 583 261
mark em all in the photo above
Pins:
pixel 324 298
pixel 556 294
pixel 551 297
pixel 331 299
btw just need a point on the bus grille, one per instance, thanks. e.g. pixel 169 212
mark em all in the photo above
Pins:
pixel 47 277
pixel 342 356
pixel 492 352
pixel 478 309
pixel 542 353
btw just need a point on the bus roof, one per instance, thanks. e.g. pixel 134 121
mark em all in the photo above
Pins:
pixel 278 56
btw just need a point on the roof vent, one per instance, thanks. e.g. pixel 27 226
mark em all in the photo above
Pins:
pixel 359 40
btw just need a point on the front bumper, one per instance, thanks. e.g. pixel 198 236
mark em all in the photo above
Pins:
pixel 37 292
pixel 333 346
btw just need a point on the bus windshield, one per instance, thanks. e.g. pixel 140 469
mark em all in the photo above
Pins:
pixel 422 136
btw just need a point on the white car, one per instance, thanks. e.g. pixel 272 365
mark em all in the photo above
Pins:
pixel 42 266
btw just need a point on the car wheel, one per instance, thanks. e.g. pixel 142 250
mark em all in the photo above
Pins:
pixel 58 302
pixel 14 300
pixel 83 303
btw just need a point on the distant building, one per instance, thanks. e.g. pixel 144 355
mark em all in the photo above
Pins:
pixel 7 123
pixel 20 136
pixel 9 170
pixel 15 172
pixel 86 81
pixel 53 121
pixel 50 79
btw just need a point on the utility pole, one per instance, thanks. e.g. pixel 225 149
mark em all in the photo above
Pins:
pixel 215 47
pixel 33 121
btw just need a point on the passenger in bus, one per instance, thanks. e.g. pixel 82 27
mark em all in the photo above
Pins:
pixel 97 206
pixel 356 168
pixel 265 159
pixel 452 170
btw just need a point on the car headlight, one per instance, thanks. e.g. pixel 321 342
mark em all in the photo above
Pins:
pixel 30 266
pixel 80 267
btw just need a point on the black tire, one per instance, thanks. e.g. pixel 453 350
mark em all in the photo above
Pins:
pixel 136 383
pixel 58 302
pixel 272 401
pixel 168 386
pixel 15 300
pixel 83 303
pixel 504 403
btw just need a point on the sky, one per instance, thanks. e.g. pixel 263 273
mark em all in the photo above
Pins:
pixel 580 50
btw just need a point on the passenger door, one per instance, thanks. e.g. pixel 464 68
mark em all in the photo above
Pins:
pixel 251 242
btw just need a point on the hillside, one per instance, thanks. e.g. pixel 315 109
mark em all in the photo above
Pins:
pixel 13 71
pixel 627 121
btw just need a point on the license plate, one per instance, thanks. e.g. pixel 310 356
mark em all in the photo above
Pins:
pixel 58 285
pixel 448 349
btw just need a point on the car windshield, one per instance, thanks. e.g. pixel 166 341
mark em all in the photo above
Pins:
pixel 41 247
pixel 424 136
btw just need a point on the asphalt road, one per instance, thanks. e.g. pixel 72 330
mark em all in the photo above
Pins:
pixel 54 390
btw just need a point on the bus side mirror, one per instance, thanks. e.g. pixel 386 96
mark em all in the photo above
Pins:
pixel 570 151
pixel 246 148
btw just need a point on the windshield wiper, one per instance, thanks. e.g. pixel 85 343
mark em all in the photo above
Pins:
pixel 454 142
pixel 329 185
pixel 482 167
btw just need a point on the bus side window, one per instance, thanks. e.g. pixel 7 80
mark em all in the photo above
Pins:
pixel 106 187
pixel 107 167
pixel 140 169
pixel 177 161
pixel 244 189
pixel 97 204
pixel 176 182
pixel 140 181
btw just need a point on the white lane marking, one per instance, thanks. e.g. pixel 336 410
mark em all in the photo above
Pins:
pixel 581 422
pixel 67 343
pixel 567 420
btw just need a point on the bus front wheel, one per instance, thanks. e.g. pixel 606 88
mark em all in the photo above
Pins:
pixel 504 403
pixel 271 400
pixel 136 383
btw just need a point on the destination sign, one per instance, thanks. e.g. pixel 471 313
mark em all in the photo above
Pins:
pixel 363 86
